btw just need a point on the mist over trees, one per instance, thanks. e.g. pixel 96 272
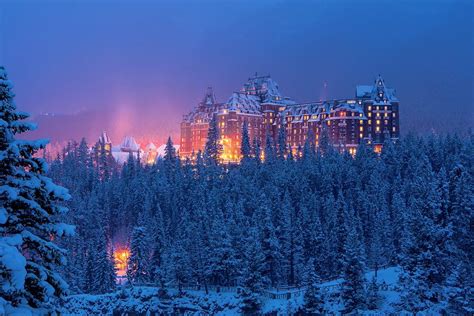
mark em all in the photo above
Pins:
pixel 285 221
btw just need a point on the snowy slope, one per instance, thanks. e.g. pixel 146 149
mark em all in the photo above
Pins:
pixel 142 299
pixel 146 299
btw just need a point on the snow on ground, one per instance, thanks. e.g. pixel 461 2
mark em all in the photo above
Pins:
pixel 193 302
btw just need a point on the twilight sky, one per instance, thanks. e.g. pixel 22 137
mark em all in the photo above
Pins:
pixel 134 67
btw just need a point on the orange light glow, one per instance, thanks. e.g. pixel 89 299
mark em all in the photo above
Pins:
pixel 378 149
pixel 121 256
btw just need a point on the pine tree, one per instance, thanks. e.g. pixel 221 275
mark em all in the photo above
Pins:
pixel 269 152
pixel 170 151
pixel 29 212
pixel 373 295
pixel 424 266
pixel 281 142
pixel 223 262
pixel 249 292
pixel 257 150
pixel 158 248
pixel 138 263
pixel 460 290
pixel 313 300
pixel 270 247
pixel 245 148
pixel 104 278
pixel 353 290
pixel 213 149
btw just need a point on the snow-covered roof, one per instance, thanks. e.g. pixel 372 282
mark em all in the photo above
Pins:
pixel 121 157
pixel 246 103
pixel 378 92
pixel 297 111
pixel 129 144
pixel 353 107
pixel 266 89
pixel 257 90
pixel 104 138
pixel 209 98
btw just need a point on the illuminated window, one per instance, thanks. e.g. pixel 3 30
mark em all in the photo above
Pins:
pixel 329 122
pixel 385 114
pixel 369 114
pixel 361 135
pixel 377 129
pixel 378 122
pixel 394 114
pixel 361 128
pixel 369 107
pixel 386 122
pixel 386 108
pixel 361 122
pixel 394 129
pixel 370 122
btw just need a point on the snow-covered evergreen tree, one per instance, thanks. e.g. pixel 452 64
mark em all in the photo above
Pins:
pixel 313 299
pixel 104 277
pixel 29 212
pixel 138 263
pixel 252 284
pixel 373 295
pixel 353 290
pixel 245 147
pixel 281 148
pixel 213 147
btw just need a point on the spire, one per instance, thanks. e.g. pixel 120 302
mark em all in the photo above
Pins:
pixel 209 97
pixel 380 90
pixel 104 138
pixel 379 82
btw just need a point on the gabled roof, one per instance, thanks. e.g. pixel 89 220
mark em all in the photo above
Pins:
pixel 104 138
pixel 378 92
pixel 129 144
pixel 243 102
pixel 266 89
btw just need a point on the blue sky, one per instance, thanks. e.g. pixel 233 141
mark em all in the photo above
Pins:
pixel 149 62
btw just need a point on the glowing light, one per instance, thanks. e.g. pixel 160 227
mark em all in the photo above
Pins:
pixel 121 256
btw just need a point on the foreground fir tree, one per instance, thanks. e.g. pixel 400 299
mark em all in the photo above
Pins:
pixel 29 209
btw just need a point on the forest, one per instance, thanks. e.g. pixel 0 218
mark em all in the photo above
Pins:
pixel 286 220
